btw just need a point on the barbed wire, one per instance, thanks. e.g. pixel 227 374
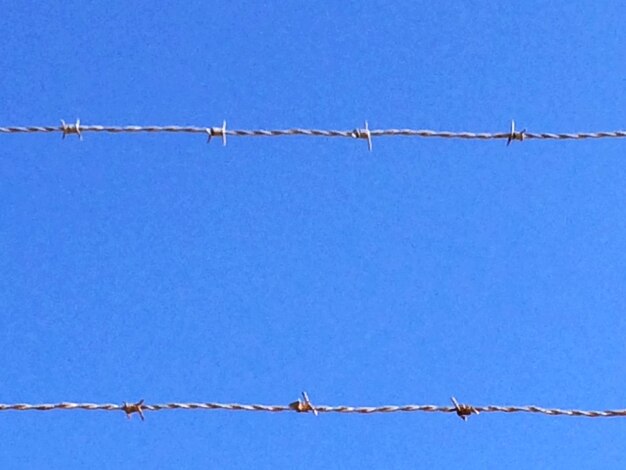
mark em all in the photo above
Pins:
pixel 304 405
pixel 360 133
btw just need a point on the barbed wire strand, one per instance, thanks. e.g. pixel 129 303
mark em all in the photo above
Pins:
pixel 364 133
pixel 304 406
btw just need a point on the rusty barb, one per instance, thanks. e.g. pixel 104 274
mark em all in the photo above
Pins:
pixel 514 135
pixel 134 408
pixel 463 411
pixel 364 134
pixel 68 129
pixel 217 131
pixel 303 405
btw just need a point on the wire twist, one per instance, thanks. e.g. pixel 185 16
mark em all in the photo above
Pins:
pixel 305 406
pixel 365 133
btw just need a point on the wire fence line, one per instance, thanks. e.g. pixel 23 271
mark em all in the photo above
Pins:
pixel 360 133
pixel 304 405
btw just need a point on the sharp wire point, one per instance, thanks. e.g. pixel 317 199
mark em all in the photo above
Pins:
pixel 514 135
pixel 68 129
pixel 134 408
pixel 303 405
pixel 364 134
pixel 463 411
pixel 221 131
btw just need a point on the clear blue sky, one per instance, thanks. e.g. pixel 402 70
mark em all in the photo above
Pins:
pixel 160 267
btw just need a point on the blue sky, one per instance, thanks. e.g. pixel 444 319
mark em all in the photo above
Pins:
pixel 163 268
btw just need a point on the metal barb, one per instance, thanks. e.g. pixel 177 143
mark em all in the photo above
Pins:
pixel 513 135
pixel 68 129
pixel 134 408
pixel 303 405
pixel 364 134
pixel 221 131
pixel 463 411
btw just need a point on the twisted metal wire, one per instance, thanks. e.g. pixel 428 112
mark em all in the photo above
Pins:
pixel 462 410
pixel 365 133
